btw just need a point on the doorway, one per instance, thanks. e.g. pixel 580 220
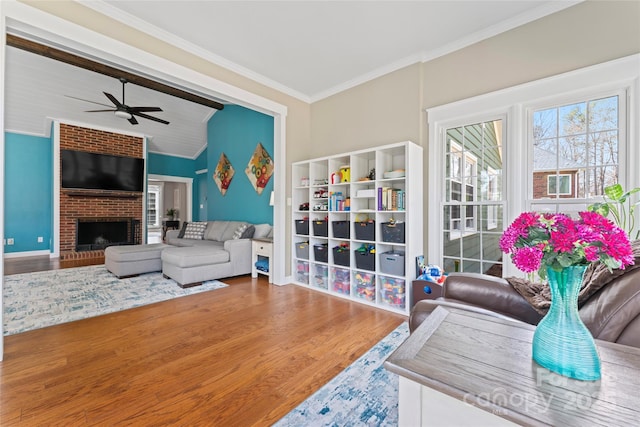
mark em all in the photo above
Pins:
pixel 169 199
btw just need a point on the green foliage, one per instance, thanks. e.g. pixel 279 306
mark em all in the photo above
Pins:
pixel 618 203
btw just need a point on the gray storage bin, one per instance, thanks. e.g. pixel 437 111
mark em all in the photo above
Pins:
pixel 302 250
pixel 392 263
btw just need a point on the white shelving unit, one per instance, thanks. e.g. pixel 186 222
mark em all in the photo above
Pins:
pixel 349 214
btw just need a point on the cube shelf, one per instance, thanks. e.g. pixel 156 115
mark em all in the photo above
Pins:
pixel 371 197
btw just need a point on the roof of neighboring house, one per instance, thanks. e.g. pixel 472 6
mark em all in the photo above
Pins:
pixel 545 160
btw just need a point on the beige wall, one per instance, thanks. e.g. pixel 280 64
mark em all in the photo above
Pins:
pixel 381 111
pixel 586 34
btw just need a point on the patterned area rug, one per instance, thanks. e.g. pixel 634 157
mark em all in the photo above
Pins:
pixel 45 298
pixel 364 394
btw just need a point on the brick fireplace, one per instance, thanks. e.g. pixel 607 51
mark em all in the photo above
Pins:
pixel 95 205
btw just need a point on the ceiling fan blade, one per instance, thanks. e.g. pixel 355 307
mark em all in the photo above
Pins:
pixel 98 111
pixel 146 116
pixel 86 100
pixel 133 120
pixel 144 109
pixel 114 100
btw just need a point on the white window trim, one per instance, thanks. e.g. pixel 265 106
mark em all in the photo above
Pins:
pixel 512 104
pixel 492 210
pixel 557 176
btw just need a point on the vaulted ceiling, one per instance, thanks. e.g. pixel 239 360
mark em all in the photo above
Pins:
pixel 307 49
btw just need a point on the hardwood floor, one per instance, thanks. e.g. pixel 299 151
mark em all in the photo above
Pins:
pixel 240 356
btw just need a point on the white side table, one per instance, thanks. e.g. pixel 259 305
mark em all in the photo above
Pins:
pixel 262 247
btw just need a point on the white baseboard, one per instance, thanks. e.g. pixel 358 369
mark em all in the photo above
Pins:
pixel 28 253
pixel 287 280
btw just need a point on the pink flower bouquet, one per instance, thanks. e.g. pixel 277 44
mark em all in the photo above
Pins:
pixel 536 241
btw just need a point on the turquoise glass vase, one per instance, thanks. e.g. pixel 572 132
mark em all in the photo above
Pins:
pixel 561 342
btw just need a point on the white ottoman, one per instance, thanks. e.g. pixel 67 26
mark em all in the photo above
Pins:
pixel 132 260
pixel 190 266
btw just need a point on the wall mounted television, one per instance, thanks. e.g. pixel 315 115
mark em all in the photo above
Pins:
pixel 93 171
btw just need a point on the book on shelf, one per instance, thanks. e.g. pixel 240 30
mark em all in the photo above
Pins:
pixel 338 202
pixel 391 199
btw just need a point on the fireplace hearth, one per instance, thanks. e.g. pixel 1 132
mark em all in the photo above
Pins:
pixel 99 233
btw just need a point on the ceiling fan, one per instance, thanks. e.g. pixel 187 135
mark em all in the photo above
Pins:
pixel 124 111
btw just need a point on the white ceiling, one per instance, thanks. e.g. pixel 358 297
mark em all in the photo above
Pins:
pixel 308 49
pixel 311 49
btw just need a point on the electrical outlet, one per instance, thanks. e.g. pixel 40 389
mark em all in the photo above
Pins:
pixel 10 241
pixel 40 239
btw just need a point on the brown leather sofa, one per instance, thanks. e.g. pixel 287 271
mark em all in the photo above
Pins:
pixel 611 314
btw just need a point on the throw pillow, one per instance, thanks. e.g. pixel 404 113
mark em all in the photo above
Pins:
pixel 239 231
pixel 182 230
pixel 195 230
pixel 248 233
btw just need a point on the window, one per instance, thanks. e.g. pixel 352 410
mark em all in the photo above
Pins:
pixel 559 185
pixel 473 204
pixel 579 139
pixel 568 140
pixel 153 206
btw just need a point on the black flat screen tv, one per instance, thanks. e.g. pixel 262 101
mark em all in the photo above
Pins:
pixel 92 171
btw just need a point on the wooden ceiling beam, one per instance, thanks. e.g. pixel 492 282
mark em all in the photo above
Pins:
pixel 88 64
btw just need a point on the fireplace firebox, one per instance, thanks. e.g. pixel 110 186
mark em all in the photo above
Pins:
pixel 99 233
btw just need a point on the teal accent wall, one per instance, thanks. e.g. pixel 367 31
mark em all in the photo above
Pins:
pixel 200 188
pixel 201 160
pixel 201 213
pixel 28 192
pixel 161 164
pixel 235 131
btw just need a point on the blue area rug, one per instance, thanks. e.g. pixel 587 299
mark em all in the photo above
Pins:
pixel 364 394
pixel 45 298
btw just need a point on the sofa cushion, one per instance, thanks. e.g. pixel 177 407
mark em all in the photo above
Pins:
pixel 133 253
pixel 195 230
pixel 215 230
pixel 262 231
pixel 194 256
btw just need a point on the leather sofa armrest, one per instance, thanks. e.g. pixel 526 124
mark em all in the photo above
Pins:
pixel 424 308
pixel 491 293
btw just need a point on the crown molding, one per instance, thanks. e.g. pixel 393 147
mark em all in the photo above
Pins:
pixel 170 38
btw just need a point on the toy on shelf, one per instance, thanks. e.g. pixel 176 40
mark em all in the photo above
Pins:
pixel 392 291
pixel 365 287
pixel 340 280
pixel 432 273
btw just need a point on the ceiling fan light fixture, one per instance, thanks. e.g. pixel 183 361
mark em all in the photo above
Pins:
pixel 123 114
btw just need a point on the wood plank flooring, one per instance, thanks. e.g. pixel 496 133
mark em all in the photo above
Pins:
pixel 240 356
